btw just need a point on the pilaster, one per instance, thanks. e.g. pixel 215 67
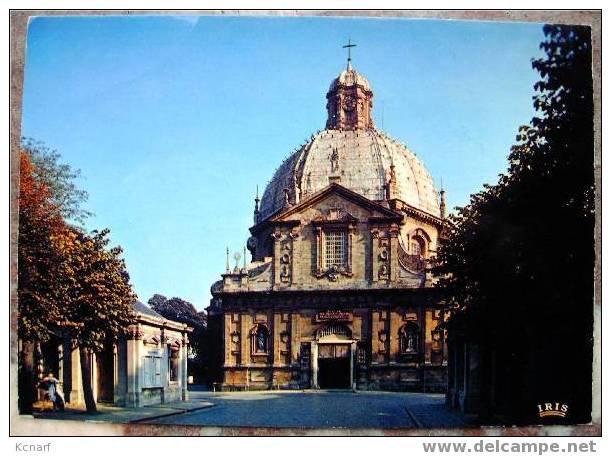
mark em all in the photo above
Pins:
pixel 76 390
pixel 393 257
pixel 393 337
pixel 275 334
pixel 295 337
pixel 134 361
pixel 227 339
pixel 183 366
pixel 244 339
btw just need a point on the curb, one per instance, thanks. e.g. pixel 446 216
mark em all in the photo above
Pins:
pixel 164 415
pixel 412 417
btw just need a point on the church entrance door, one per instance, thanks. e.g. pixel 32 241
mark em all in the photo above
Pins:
pixel 334 366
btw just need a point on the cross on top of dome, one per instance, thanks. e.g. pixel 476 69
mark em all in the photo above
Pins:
pixel 349 100
pixel 349 46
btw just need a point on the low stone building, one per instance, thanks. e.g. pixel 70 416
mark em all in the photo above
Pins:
pixel 338 292
pixel 147 367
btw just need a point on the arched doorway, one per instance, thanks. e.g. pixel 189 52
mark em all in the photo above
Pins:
pixel 333 358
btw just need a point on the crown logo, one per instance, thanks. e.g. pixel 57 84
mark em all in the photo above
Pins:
pixel 552 409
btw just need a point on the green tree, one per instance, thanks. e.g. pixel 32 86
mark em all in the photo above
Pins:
pixel 60 178
pixel 38 311
pixel 97 296
pixel 69 283
pixel 517 266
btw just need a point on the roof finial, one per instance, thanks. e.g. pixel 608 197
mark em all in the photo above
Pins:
pixel 236 257
pixel 256 212
pixel 227 263
pixel 349 45
pixel 442 202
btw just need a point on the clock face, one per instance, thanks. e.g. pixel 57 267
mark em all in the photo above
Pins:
pixel 349 103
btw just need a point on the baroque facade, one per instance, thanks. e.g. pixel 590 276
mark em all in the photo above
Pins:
pixel 338 293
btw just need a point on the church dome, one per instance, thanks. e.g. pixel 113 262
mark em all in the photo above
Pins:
pixel 352 153
pixel 358 160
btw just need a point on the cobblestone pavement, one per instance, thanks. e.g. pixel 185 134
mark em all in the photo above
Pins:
pixel 321 409
pixel 114 414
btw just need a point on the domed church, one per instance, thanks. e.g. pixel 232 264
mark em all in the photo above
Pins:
pixel 338 293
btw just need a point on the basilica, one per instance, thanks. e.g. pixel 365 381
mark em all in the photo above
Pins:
pixel 339 292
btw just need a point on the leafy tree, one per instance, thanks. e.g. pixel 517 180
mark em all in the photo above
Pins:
pixel 517 264
pixel 59 178
pixel 69 283
pixel 39 219
pixel 97 296
pixel 157 301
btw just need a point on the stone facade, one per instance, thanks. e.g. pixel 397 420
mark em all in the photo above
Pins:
pixel 338 293
pixel 147 367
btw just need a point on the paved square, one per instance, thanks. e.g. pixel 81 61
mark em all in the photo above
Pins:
pixel 320 409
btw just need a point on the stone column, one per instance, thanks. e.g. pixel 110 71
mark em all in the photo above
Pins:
pixel 314 361
pixel 134 361
pixel 76 390
pixel 115 372
pixel 93 362
pixel 184 356
pixel 165 361
pixel 352 352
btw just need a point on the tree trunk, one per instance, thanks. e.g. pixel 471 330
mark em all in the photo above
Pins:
pixel 27 378
pixel 86 378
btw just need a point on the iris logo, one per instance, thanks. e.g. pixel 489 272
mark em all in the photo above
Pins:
pixel 555 409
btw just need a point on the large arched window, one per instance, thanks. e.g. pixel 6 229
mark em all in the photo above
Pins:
pixel 259 339
pixel 409 338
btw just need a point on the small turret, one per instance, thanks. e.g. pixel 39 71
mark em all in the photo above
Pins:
pixel 256 212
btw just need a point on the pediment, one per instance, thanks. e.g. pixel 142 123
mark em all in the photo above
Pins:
pixel 336 204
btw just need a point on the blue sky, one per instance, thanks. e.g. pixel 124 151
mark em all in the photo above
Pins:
pixel 174 121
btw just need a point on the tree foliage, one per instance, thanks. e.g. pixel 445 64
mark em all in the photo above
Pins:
pixel 94 288
pixel 39 220
pixel 178 309
pixel 517 264
pixel 69 282
pixel 59 178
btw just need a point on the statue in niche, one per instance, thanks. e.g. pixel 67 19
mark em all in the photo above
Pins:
pixel 334 160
